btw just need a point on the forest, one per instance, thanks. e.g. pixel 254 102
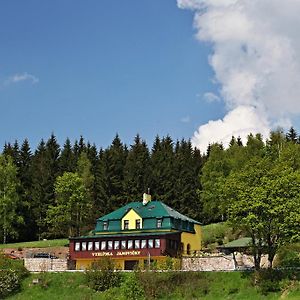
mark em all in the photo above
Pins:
pixel 57 191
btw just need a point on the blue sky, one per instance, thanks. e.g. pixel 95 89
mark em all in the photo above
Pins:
pixel 94 68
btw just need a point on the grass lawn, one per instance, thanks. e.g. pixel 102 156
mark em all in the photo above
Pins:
pixel 175 286
pixel 37 244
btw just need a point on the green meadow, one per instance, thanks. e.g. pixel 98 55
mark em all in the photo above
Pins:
pixel 169 285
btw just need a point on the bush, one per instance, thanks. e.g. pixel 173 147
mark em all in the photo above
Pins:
pixel 183 284
pixel 288 256
pixel 102 275
pixel 219 233
pixel 131 288
pixel 16 265
pixel 9 282
pixel 267 280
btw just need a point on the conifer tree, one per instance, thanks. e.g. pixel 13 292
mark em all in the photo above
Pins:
pixel 26 202
pixel 291 136
pixel 137 170
pixel 163 175
pixel 101 188
pixel 42 188
pixel 186 180
pixel 115 158
pixel 67 162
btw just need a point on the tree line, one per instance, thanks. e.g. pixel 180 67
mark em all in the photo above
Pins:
pixel 256 188
pixel 60 191
pixel 55 191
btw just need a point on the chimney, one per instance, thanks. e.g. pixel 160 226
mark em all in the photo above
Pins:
pixel 146 198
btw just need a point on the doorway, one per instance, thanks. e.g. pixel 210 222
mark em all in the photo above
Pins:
pixel 130 264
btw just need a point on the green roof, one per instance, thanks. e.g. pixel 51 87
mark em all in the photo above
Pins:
pixel 239 243
pixel 133 235
pixel 153 209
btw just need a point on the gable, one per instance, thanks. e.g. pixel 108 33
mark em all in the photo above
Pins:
pixel 131 216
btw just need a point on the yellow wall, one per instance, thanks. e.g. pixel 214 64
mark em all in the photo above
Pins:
pixel 161 262
pixel 132 216
pixel 194 239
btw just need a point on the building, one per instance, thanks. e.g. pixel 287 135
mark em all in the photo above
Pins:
pixel 138 233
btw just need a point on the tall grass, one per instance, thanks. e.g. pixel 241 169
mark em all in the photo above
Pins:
pixel 166 285
pixel 37 244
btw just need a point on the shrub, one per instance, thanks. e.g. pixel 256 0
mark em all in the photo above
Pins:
pixel 131 288
pixel 9 282
pixel 267 280
pixel 16 265
pixel 102 275
pixel 288 256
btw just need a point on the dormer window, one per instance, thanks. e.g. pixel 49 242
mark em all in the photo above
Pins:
pixel 158 223
pixel 105 225
pixel 126 224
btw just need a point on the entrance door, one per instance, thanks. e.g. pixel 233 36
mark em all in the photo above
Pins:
pixel 130 264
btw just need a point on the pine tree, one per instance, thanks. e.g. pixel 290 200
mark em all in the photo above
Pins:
pixel 137 170
pixel 25 206
pixel 115 158
pixel 67 161
pixel 291 136
pixel 42 188
pixel 239 141
pixel 163 174
pixel 186 182
pixel 8 150
pixel 101 187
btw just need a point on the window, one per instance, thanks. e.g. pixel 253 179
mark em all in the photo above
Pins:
pixel 90 246
pixel 172 244
pixel 103 245
pixel 144 244
pixel 130 244
pixel 126 224
pixel 77 246
pixel 83 246
pixel 123 245
pixel 157 243
pixel 105 225
pixel 158 223
pixel 117 245
pixel 138 224
pixel 109 245
pixel 150 243
pixel 176 245
pixel 97 246
pixel 188 249
pixel 137 244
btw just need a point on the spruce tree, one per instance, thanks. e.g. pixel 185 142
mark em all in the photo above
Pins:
pixel 137 170
pixel 115 158
pixel 186 182
pixel 101 187
pixel 67 161
pixel 42 188
pixel 163 174
pixel 27 230
pixel 291 136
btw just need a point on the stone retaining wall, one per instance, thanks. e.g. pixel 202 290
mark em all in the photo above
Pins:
pixel 209 263
pixel 45 264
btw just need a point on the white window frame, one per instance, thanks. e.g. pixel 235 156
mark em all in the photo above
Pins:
pixel 77 246
pixel 97 246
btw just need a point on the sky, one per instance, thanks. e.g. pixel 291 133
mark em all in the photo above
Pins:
pixel 199 69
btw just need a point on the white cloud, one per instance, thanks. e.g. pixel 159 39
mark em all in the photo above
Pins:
pixel 238 122
pixel 21 77
pixel 255 57
pixel 211 97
